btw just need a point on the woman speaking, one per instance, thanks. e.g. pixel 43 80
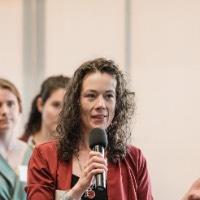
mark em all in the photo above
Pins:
pixel 97 97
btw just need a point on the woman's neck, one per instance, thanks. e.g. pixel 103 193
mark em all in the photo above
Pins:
pixel 7 143
pixel 84 143
pixel 6 139
pixel 42 136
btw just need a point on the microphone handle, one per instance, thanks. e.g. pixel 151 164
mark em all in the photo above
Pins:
pixel 100 178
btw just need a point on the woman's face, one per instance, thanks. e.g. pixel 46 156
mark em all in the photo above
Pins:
pixel 97 101
pixel 9 111
pixel 51 108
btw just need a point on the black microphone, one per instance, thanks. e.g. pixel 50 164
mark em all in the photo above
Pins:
pixel 98 142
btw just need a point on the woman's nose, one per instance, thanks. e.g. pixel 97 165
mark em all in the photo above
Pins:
pixel 100 103
pixel 4 109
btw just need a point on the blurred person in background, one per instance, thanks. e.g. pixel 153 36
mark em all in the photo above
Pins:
pixel 45 109
pixel 14 154
pixel 97 97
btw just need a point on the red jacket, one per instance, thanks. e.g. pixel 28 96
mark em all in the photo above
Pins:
pixel 127 180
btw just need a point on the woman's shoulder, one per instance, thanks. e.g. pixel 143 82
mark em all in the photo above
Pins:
pixel 46 150
pixel 131 149
pixel 44 158
pixel 135 154
pixel 18 146
pixel 47 146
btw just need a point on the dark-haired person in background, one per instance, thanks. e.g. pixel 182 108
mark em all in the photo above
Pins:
pixel 97 97
pixel 14 154
pixel 46 106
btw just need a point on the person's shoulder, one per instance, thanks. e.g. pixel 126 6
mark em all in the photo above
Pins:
pixel 19 145
pixel 45 155
pixel 50 145
pixel 133 150
pixel 20 142
pixel 47 148
pixel 135 153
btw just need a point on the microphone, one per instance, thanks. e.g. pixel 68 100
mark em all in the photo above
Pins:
pixel 98 142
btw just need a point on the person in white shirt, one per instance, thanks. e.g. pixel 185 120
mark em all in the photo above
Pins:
pixel 14 154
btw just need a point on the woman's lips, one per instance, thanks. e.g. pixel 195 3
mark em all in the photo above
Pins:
pixel 4 121
pixel 99 116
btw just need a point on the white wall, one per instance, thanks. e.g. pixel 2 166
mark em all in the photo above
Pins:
pixel 11 43
pixel 165 46
pixel 165 74
pixel 11 40
pixel 80 30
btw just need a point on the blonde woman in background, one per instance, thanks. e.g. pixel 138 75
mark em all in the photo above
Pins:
pixel 14 154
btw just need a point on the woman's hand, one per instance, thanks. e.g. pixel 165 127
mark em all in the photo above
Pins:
pixel 96 164
pixel 194 191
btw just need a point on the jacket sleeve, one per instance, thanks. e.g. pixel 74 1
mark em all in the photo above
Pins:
pixel 144 191
pixel 41 184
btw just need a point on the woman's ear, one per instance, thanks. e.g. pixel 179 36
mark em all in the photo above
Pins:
pixel 39 104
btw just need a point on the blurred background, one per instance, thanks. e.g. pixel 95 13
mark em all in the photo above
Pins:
pixel 157 43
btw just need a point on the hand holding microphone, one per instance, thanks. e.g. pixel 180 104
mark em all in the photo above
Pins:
pixel 95 167
pixel 98 142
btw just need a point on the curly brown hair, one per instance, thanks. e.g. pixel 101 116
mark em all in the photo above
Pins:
pixel 69 126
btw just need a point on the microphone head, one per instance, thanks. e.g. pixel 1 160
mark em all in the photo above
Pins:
pixel 98 136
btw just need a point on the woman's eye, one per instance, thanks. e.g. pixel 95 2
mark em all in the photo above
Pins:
pixel 90 96
pixel 56 104
pixel 109 96
pixel 10 103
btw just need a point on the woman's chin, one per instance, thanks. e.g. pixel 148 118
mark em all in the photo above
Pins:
pixel 100 125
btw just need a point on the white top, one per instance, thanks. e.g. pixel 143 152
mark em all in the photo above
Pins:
pixel 13 152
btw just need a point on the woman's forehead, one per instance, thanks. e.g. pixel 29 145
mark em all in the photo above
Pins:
pixel 6 93
pixel 99 80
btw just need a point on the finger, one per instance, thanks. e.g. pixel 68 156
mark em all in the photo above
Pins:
pixel 90 174
pixel 93 169
pixel 97 159
pixel 94 161
pixel 95 165
pixel 95 153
